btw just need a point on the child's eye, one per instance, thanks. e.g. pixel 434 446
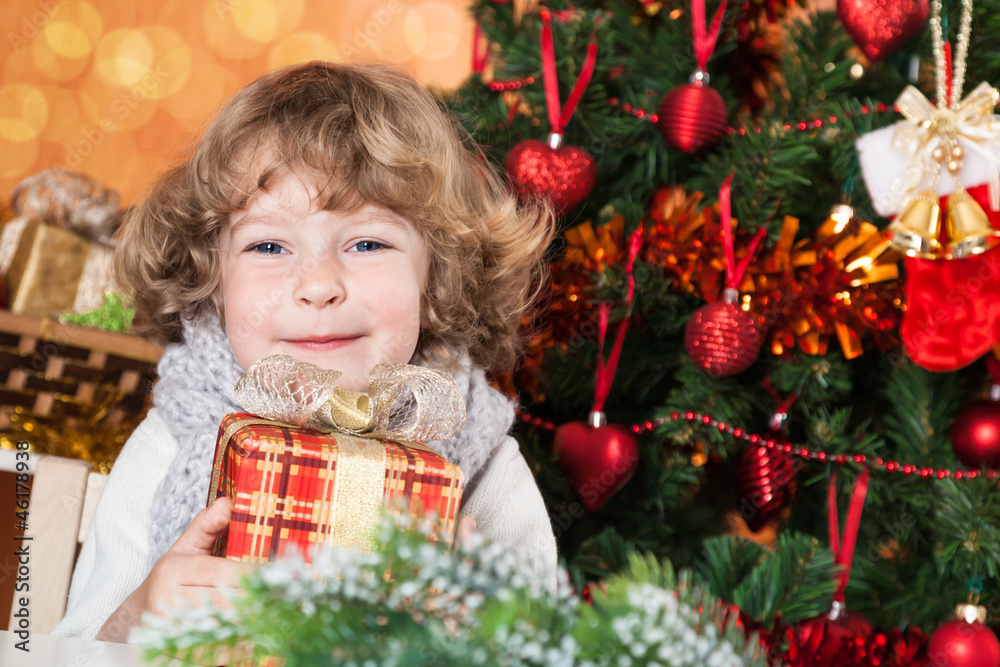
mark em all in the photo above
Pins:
pixel 368 246
pixel 267 248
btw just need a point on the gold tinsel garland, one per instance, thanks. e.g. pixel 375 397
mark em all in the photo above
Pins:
pixel 841 281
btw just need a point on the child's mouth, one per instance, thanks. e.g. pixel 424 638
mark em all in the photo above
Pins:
pixel 322 344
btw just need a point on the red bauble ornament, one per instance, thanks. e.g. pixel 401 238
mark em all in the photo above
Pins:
pixel 975 434
pixel 959 643
pixel 721 338
pixel 692 116
pixel 851 641
pixel 826 642
pixel 765 484
pixel 879 27
pixel 564 175
pixel 598 461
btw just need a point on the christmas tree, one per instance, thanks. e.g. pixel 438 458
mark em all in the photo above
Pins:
pixel 870 388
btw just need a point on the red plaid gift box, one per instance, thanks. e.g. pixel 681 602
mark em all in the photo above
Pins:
pixel 297 486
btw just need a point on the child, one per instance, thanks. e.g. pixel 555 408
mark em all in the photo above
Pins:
pixel 333 213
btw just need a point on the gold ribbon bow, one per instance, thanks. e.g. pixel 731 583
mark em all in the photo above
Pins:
pixel 404 402
pixel 928 127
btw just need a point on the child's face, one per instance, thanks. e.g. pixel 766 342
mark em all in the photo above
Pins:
pixel 339 290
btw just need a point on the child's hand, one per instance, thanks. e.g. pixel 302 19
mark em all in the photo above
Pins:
pixel 466 528
pixel 183 575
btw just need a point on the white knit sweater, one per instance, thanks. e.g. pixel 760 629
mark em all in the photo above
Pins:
pixel 502 498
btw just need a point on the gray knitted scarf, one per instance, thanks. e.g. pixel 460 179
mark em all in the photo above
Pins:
pixel 195 390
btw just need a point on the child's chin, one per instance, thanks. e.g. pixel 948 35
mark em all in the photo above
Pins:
pixel 349 382
pixel 353 377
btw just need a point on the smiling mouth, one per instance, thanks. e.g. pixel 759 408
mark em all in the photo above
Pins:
pixel 322 344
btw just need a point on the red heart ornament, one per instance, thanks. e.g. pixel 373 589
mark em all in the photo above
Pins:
pixel 597 461
pixel 879 27
pixel 564 175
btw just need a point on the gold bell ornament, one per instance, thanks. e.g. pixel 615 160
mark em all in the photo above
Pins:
pixel 969 229
pixel 940 137
pixel 915 232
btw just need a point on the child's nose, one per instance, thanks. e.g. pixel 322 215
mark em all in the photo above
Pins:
pixel 319 282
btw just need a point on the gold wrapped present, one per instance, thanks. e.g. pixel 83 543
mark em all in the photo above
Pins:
pixel 51 271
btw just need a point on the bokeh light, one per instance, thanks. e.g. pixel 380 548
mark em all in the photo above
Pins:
pixel 23 112
pixel 302 47
pixel 124 56
pixel 73 30
pixel 432 30
pixel 65 113
pixel 118 89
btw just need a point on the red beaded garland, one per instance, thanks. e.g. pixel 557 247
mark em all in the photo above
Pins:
pixel 804 452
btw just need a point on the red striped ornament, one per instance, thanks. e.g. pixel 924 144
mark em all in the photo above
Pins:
pixel 692 116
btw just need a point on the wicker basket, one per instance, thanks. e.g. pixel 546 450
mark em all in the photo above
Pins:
pixel 68 387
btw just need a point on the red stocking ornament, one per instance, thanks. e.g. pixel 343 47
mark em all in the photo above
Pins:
pixel 564 175
pixel 721 338
pixel 693 115
pixel 599 459
pixel 952 310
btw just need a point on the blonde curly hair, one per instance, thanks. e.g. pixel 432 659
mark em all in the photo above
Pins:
pixel 361 134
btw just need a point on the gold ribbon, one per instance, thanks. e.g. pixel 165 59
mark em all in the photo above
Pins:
pixel 404 402
pixel 928 127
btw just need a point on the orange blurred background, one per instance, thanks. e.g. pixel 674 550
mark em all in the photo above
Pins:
pixel 118 89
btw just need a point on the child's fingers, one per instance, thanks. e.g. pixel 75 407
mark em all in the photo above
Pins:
pixel 466 528
pixel 199 538
pixel 189 597
pixel 188 576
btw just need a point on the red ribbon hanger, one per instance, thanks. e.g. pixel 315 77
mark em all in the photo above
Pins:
pixel 558 118
pixel 704 41
pixel 844 553
pixel 480 48
pixel 606 372
pixel 784 404
pixel 734 271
